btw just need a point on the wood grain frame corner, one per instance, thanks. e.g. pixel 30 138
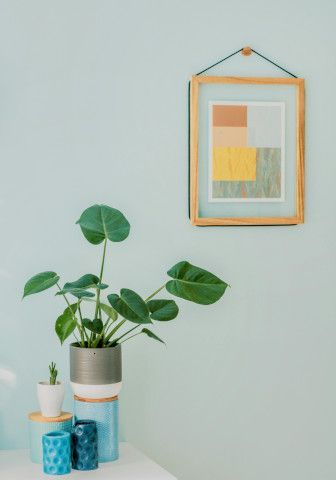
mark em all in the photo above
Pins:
pixel 195 83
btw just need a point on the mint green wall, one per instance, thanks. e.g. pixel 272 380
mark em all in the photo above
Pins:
pixel 93 109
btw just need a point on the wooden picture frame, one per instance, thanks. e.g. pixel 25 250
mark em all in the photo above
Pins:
pixel 195 218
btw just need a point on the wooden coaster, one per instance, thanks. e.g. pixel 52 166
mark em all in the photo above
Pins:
pixel 96 400
pixel 37 417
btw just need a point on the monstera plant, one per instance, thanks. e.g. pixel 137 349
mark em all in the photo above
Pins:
pixel 110 320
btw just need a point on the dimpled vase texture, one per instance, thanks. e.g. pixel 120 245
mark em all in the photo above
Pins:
pixel 106 416
pixel 38 427
pixel 84 445
pixel 56 453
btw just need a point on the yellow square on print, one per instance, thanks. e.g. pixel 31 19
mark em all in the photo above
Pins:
pixel 234 163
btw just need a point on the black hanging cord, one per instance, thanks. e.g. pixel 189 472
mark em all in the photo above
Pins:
pixel 273 63
pixel 220 61
pixel 252 50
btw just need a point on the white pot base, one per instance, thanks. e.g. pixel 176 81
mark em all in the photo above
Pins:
pixel 96 391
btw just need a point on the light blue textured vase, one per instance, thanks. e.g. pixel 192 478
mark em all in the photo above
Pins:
pixel 56 453
pixel 39 426
pixel 106 415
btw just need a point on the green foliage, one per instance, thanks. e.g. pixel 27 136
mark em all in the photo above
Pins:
pixel 53 373
pixel 130 306
pixel 195 284
pixel 163 310
pixel 109 311
pixel 95 326
pixel 101 223
pixel 41 281
pixel 86 281
pixel 151 335
pixel 76 292
pixel 65 324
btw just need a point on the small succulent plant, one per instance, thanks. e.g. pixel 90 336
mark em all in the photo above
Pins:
pixel 53 373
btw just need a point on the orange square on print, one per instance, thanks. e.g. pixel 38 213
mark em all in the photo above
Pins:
pixel 229 115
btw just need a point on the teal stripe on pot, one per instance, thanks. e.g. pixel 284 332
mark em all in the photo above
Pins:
pixel 39 426
pixel 106 415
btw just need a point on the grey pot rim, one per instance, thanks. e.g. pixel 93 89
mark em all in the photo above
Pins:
pixel 77 345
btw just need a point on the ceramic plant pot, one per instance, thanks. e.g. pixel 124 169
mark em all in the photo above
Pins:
pixel 95 372
pixel 50 398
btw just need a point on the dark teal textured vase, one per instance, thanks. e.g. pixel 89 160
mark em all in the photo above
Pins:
pixel 84 445
pixel 56 453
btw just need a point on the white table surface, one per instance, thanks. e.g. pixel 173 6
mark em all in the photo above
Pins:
pixel 132 465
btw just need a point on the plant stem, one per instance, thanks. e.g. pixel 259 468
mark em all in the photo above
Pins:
pixel 132 336
pixel 100 277
pixel 126 333
pixel 65 298
pixel 112 332
pixel 75 337
pixel 81 319
pixel 153 294
pixel 74 317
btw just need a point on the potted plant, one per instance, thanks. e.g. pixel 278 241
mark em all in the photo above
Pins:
pixel 95 356
pixel 51 394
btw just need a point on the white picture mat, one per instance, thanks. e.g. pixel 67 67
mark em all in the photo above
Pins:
pixel 210 157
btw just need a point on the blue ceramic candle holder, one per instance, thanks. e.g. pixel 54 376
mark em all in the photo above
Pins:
pixel 84 445
pixel 56 453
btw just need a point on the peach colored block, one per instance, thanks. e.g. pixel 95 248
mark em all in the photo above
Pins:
pixel 229 116
pixel 229 136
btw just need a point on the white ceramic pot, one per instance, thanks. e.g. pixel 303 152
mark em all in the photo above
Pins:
pixel 50 398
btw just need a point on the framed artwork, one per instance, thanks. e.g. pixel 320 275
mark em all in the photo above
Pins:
pixel 246 151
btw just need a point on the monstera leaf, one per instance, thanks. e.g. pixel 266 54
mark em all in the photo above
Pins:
pixel 66 323
pixel 79 287
pixel 101 222
pixel 152 335
pixel 195 284
pixel 41 281
pixel 76 292
pixel 109 311
pixel 163 310
pixel 86 281
pixel 130 306
pixel 95 326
